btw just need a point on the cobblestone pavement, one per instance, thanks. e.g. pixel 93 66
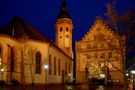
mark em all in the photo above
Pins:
pixel 61 87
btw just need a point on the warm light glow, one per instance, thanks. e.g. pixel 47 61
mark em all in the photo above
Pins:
pixel 46 66
pixel 132 71
pixel 69 74
pixel 102 75
pixel 127 74
pixel 2 70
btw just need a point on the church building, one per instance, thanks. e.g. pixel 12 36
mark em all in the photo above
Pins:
pixel 98 55
pixel 31 58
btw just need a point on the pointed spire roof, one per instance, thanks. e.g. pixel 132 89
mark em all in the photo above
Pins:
pixel 63 11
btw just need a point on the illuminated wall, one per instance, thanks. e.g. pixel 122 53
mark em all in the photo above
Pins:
pixel 102 45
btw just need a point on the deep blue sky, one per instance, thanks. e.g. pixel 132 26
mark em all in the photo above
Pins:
pixel 42 14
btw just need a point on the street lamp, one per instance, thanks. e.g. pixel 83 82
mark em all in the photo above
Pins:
pixel 132 77
pixel 69 75
pixel 2 70
pixel 46 66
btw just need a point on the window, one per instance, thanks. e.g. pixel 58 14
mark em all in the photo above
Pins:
pixel 12 59
pixel 60 36
pixel 66 68
pixel 54 65
pixel 0 56
pixel 67 29
pixel 38 63
pixel 60 29
pixel 50 65
pixel 69 69
pixel 59 67
pixel 67 36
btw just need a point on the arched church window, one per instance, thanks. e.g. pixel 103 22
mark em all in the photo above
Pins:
pixel 54 65
pixel 12 59
pixel 59 67
pixel 38 62
pixel 0 55
pixel 50 65
pixel 66 68
pixel 60 29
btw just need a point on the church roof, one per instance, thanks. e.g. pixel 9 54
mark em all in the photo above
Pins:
pixel 17 28
pixel 63 11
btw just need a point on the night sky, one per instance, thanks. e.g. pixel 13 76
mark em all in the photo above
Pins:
pixel 42 14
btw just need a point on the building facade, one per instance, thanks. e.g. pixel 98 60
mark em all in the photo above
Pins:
pixel 29 57
pixel 98 55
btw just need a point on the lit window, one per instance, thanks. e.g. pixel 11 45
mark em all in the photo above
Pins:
pixel 38 63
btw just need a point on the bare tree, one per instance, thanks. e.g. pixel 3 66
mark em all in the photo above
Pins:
pixel 123 26
pixel 25 52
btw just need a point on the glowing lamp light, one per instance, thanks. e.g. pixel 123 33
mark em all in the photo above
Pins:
pixel 46 66
pixel 127 74
pixel 69 74
pixel 102 75
pixel 2 70
pixel 132 71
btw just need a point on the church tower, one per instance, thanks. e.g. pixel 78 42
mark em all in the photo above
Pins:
pixel 63 31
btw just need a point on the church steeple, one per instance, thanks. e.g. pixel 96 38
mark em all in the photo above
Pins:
pixel 63 11
pixel 63 30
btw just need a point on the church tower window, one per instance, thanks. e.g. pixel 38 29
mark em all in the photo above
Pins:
pixel 38 62
pixel 60 29
pixel 67 29
pixel 67 36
